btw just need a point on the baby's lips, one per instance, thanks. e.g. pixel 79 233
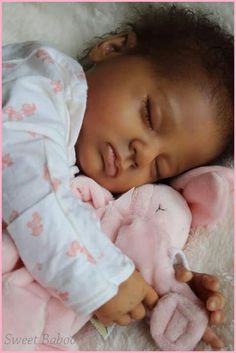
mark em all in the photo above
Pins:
pixel 109 159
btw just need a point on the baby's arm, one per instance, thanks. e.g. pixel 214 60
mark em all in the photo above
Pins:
pixel 134 293
pixel 58 239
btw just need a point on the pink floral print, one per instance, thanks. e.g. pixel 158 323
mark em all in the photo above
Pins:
pixel 57 86
pixel 27 109
pixel 44 56
pixel 8 65
pixel 75 247
pixel 35 224
pixel 6 160
pixel 12 114
pixel 14 214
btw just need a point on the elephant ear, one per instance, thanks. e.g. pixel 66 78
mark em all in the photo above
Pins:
pixel 207 191
pixel 124 201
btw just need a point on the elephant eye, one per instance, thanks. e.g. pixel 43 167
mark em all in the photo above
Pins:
pixel 160 209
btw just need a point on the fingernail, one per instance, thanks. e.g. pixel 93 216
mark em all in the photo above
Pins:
pixel 212 306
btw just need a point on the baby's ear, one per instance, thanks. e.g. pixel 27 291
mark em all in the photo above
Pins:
pixel 112 46
pixel 207 191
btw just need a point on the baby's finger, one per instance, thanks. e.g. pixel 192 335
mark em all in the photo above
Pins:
pixel 182 274
pixel 203 282
pixel 215 301
pixel 151 298
pixel 211 282
pixel 124 320
pixel 217 317
pixel 200 284
pixel 209 337
pixel 138 313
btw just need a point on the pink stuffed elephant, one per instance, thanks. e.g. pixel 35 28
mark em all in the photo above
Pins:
pixel 150 224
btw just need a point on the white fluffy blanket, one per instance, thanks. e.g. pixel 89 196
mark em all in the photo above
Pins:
pixel 70 26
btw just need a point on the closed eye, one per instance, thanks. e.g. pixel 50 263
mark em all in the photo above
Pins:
pixel 147 114
pixel 157 171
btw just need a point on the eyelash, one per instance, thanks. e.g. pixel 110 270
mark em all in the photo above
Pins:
pixel 147 114
pixel 158 176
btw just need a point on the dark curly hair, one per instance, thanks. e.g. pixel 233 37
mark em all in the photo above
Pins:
pixel 181 44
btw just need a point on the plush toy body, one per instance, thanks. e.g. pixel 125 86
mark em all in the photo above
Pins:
pixel 151 224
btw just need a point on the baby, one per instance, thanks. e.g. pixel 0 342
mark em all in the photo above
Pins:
pixel 156 101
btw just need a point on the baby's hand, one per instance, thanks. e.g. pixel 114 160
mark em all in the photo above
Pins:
pixel 129 302
pixel 206 287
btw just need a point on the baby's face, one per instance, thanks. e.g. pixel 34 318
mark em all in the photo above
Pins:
pixel 139 128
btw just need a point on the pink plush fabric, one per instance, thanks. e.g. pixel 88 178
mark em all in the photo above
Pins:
pixel 30 312
pixel 150 224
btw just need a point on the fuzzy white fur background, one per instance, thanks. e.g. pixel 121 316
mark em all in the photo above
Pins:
pixel 70 26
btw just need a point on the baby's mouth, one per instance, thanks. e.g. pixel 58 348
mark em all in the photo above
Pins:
pixel 109 158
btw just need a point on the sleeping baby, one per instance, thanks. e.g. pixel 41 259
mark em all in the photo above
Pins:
pixel 153 104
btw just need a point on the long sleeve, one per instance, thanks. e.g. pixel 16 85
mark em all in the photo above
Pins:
pixel 58 239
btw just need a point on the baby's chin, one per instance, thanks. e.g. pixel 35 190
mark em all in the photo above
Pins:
pixel 114 185
pixel 110 184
